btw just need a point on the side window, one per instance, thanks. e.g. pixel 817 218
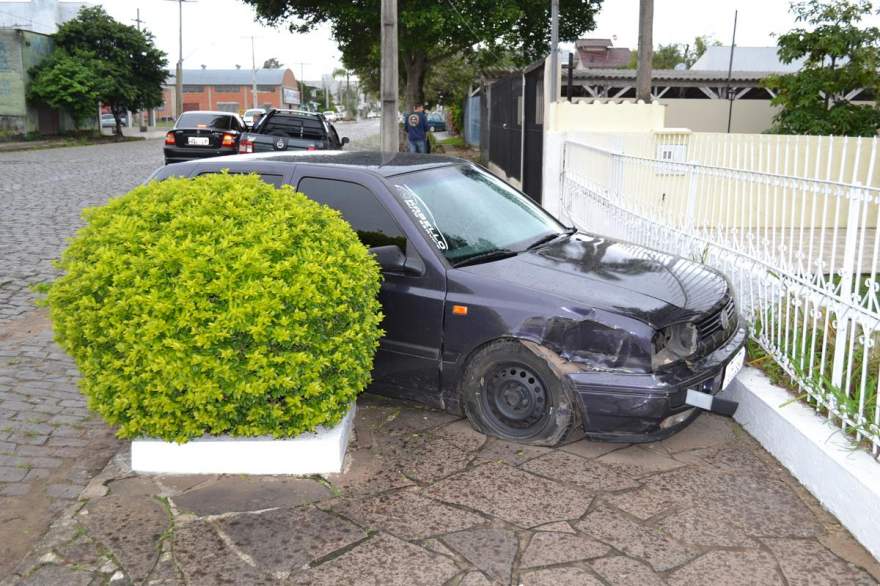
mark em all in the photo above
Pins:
pixel 360 208
pixel 274 180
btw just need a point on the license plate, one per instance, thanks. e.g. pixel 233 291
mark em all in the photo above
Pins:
pixel 733 367
pixel 198 141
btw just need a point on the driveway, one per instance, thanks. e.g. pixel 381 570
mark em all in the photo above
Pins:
pixel 424 500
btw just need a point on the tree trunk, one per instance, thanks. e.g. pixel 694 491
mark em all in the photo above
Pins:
pixel 646 50
pixel 415 66
pixel 118 121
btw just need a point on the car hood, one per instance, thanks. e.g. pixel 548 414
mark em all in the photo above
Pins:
pixel 590 271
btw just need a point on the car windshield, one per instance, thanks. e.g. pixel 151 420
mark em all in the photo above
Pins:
pixel 203 120
pixel 469 214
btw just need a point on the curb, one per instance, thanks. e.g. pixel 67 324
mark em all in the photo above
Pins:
pixel 845 479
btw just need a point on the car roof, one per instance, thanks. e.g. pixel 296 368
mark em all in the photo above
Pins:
pixel 374 161
pixel 294 112
pixel 213 112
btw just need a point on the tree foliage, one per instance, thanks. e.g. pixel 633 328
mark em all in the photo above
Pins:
pixel 430 33
pixel 668 56
pixel 68 83
pixel 840 57
pixel 218 305
pixel 272 63
pixel 128 71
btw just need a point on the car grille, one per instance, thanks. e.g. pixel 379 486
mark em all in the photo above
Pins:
pixel 716 328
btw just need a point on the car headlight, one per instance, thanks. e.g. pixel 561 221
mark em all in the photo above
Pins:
pixel 674 343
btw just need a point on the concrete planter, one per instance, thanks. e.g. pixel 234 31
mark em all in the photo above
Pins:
pixel 318 452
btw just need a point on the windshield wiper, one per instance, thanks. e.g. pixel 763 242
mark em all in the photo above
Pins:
pixel 498 254
pixel 550 237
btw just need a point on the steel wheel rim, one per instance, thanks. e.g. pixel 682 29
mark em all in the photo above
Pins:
pixel 515 399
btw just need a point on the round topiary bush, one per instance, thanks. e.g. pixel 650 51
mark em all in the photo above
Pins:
pixel 219 305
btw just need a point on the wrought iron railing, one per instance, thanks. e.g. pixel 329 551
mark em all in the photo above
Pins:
pixel 802 253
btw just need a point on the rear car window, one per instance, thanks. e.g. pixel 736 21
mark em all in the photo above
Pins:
pixel 203 120
pixel 293 127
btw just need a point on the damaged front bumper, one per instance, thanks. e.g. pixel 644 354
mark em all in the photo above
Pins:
pixel 630 407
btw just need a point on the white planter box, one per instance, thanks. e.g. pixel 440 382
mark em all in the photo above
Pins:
pixel 319 452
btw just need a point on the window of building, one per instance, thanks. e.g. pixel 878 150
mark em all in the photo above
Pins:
pixel 193 89
pixel 227 88
pixel 360 208
pixel 266 88
pixel 227 106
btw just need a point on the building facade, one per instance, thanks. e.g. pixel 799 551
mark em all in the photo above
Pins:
pixel 231 90
pixel 19 51
pixel 39 16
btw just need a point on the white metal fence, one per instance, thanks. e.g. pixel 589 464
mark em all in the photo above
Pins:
pixel 801 249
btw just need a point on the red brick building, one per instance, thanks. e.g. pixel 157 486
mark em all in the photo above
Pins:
pixel 231 90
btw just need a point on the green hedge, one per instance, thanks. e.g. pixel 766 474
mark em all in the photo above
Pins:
pixel 218 305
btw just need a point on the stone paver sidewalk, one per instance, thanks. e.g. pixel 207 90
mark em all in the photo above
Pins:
pixel 426 500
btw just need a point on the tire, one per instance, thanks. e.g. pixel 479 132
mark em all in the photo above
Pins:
pixel 510 392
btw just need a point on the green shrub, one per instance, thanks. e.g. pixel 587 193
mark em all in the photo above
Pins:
pixel 218 305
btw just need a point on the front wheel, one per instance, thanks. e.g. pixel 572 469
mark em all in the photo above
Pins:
pixel 512 393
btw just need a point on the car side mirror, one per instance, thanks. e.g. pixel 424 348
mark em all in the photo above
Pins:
pixel 390 257
pixel 345 140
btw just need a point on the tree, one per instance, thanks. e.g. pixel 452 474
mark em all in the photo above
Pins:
pixel 840 58
pixel 68 83
pixel 130 68
pixel 668 56
pixel 272 63
pixel 431 32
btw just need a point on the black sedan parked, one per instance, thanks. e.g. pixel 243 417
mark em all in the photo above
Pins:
pixel 201 134
pixel 496 310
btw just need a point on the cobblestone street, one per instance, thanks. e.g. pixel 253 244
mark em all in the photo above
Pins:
pixel 424 499
pixel 50 445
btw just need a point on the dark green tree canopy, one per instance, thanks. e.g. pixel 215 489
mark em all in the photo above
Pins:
pixel 840 58
pixel 272 63
pixel 128 70
pixel 431 32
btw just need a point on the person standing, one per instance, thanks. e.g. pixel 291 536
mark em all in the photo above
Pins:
pixel 416 126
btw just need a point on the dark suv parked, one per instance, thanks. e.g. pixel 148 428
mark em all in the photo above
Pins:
pixel 281 130
pixel 200 134
pixel 495 309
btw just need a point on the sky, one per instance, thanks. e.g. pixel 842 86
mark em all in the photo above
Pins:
pixel 217 32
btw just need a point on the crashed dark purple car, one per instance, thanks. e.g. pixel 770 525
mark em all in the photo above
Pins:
pixel 496 310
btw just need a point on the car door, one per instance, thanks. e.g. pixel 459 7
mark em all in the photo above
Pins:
pixel 407 363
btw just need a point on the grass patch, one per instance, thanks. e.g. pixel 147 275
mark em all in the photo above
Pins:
pixel 804 363
pixel 456 142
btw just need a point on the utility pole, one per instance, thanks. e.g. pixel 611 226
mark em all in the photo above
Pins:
pixel 646 50
pixel 138 19
pixel 389 132
pixel 730 91
pixel 302 83
pixel 554 49
pixel 143 115
pixel 178 76
pixel 253 74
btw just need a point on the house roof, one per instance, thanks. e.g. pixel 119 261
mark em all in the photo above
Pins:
pixel 670 75
pixel 744 59
pixel 600 43
pixel 229 76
